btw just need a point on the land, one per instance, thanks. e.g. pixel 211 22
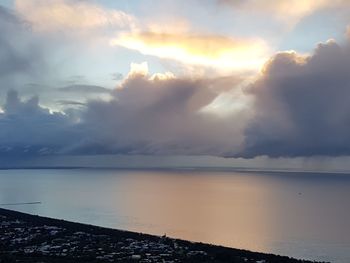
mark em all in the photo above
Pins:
pixel 30 238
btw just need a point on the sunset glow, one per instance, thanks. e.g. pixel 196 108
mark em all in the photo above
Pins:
pixel 207 50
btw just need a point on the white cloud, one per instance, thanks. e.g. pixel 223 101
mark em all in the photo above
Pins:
pixel 71 15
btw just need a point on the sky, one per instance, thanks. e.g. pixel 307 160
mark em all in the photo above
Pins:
pixel 244 83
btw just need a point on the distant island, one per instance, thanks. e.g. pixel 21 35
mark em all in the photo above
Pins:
pixel 29 238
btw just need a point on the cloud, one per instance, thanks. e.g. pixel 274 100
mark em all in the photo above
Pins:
pixel 18 55
pixel 117 76
pixel 288 11
pixel 210 50
pixel 53 44
pixel 300 108
pixel 146 114
pixel 83 88
pixel 302 105
pixel 35 63
pixel 47 15
pixel 348 32
pixel 70 103
pixel 157 114
pixel 27 129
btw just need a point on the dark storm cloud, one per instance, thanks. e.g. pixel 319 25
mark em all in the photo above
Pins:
pixel 302 105
pixel 145 115
pixel 26 128
pixel 156 116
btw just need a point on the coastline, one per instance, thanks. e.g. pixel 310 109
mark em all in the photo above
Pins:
pixel 31 238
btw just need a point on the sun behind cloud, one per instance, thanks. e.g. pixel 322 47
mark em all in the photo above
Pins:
pixel 209 50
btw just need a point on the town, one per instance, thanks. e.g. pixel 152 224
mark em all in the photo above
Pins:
pixel 28 238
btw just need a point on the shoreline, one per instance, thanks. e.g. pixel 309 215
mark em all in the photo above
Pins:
pixel 32 238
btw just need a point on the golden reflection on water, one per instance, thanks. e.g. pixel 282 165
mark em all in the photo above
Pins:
pixel 295 214
pixel 214 209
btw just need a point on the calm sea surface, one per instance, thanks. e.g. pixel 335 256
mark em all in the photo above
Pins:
pixel 302 215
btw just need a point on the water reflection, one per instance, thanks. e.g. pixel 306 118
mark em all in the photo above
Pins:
pixel 300 215
pixel 207 207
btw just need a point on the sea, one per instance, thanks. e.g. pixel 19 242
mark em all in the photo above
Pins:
pixel 298 214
